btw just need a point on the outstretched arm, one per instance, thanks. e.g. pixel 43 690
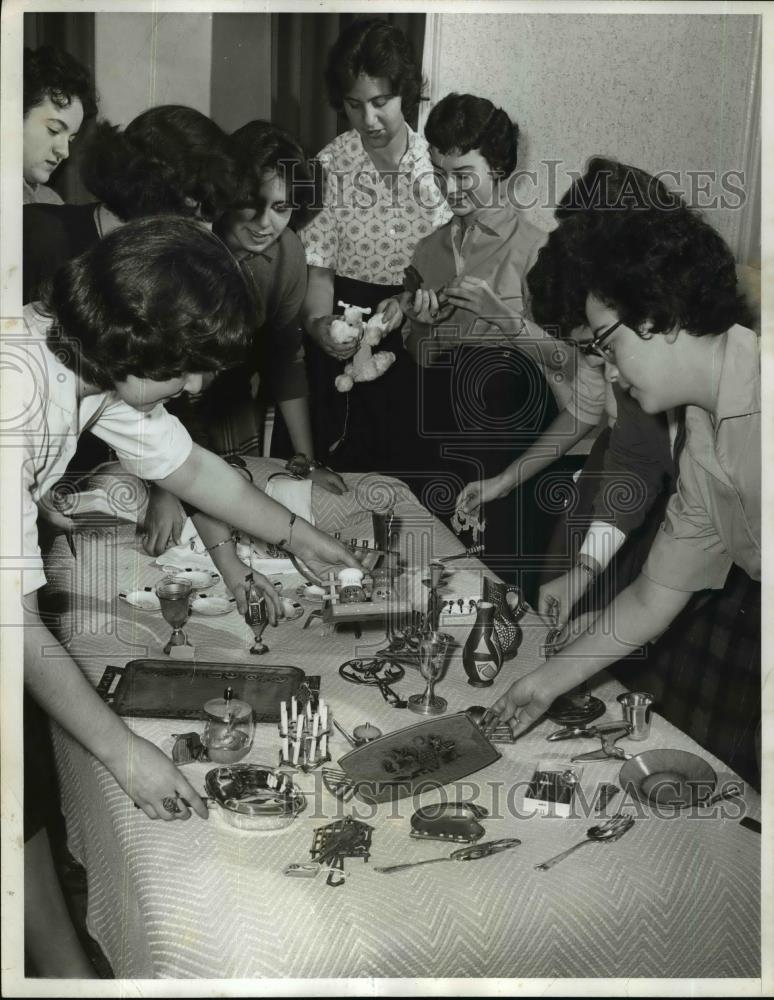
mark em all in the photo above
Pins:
pixel 55 681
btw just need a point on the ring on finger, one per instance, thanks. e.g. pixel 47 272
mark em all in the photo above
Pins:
pixel 170 803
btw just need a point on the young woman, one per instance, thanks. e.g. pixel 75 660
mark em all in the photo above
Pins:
pixel 663 306
pixel 260 231
pixel 479 395
pixel 631 469
pixel 58 98
pixel 379 200
pixel 145 316
pixel 169 160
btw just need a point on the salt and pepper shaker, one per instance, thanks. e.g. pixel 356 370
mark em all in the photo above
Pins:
pixel 257 616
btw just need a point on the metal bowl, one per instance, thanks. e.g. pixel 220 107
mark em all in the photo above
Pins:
pixel 254 796
pixel 668 778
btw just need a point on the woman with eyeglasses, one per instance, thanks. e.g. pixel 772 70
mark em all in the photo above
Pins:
pixel 630 470
pixel 662 302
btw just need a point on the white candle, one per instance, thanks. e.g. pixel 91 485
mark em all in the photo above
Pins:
pixel 315 725
pixel 285 747
pixel 309 712
pixel 283 718
pixel 297 745
pixel 313 749
pixel 293 709
pixel 323 715
pixel 324 744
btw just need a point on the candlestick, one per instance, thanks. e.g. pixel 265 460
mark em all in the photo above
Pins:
pixel 283 718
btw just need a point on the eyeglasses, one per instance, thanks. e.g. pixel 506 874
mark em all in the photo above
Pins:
pixel 594 346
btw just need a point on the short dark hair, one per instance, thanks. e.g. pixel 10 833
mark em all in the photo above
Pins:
pixel 156 298
pixel 462 122
pixel 53 74
pixel 165 155
pixel 601 197
pixel 669 269
pixel 262 148
pixel 373 48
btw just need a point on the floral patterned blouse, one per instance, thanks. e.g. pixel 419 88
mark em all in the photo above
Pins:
pixel 368 229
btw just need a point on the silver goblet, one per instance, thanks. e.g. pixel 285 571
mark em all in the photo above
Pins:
pixel 173 597
pixel 433 649
pixel 257 617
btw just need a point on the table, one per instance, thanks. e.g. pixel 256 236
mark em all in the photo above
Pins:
pixel 675 897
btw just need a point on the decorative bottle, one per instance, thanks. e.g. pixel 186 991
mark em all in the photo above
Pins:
pixel 482 656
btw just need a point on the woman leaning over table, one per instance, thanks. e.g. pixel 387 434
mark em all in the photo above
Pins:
pixel 169 160
pixel 379 200
pixel 259 229
pixel 663 306
pixel 58 99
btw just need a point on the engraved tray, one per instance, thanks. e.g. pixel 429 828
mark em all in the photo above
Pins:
pixel 159 689
pixel 418 758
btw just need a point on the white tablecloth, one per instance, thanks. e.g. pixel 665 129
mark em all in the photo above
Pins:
pixel 675 897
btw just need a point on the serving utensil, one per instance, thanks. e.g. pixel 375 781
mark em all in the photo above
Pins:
pixel 472 853
pixel 610 831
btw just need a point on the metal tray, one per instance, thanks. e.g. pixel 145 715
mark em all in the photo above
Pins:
pixel 427 755
pixel 160 689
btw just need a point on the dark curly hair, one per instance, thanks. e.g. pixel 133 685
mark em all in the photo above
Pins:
pixel 669 269
pixel 461 122
pixel 164 156
pixel 54 74
pixel 261 148
pixel 377 49
pixel 157 298
pixel 600 198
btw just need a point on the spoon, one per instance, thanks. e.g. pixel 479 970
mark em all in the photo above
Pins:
pixel 612 830
pixel 471 853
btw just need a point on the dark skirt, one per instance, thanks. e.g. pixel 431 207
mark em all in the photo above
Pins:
pixel 466 415
pixel 353 431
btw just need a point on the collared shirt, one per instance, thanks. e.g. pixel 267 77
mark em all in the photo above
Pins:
pixel 714 518
pixel 368 230
pixel 279 276
pixel 40 194
pixel 151 445
pixel 499 246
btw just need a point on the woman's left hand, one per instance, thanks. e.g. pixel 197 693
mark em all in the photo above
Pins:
pixel 475 295
pixel 237 583
pixel 329 480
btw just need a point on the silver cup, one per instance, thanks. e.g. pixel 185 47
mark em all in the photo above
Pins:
pixel 636 707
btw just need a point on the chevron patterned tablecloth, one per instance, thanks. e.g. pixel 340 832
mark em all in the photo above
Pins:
pixel 675 897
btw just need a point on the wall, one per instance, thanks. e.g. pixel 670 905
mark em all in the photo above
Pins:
pixel 663 92
pixel 241 69
pixel 147 59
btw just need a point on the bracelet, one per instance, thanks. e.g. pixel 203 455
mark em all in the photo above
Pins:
pixel 586 569
pixel 217 545
pixel 283 542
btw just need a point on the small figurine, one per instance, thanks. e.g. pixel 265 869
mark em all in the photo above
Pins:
pixel 365 366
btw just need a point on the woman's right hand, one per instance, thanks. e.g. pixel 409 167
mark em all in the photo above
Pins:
pixel 320 552
pixel 148 777
pixel 320 332
pixel 558 597
pixel 481 492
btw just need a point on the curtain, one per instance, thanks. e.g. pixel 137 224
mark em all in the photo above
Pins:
pixel 300 44
pixel 75 34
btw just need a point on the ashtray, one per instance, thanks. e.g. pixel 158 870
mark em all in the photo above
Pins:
pixel 668 778
pixel 199 579
pixel 144 600
pixel 212 606
pixel 254 796
pixel 575 709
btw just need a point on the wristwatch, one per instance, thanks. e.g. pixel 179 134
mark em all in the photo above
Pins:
pixel 589 570
pixel 300 465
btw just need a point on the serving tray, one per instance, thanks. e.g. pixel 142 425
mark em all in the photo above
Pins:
pixel 159 689
pixel 431 753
